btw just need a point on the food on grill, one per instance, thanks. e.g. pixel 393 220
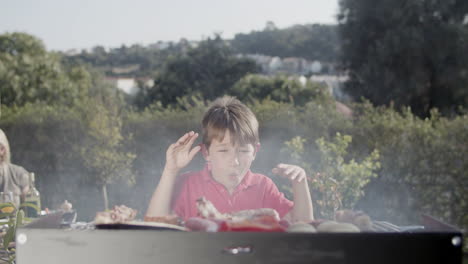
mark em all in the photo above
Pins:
pixel 168 219
pixel 248 225
pixel 265 219
pixel 316 222
pixel 262 213
pixel 206 209
pixel 346 216
pixel 357 218
pixel 284 223
pixel 103 218
pixel 253 220
pixel 118 214
pixel 301 227
pixel 201 224
pixel 335 227
pixel 363 222
pixel 260 220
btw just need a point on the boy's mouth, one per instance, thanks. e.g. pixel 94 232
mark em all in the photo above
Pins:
pixel 234 175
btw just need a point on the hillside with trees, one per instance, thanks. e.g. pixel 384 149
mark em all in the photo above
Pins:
pixel 133 61
pixel 311 42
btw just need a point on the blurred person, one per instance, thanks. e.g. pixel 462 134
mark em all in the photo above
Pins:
pixel 13 178
pixel 230 145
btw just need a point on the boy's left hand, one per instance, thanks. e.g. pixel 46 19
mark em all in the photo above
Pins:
pixel 292 172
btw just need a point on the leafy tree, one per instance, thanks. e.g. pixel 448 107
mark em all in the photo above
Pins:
pixel 28 73
pixel 408 53
pixel 209 69
pixel 102 150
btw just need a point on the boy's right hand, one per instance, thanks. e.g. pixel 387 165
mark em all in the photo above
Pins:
pixel 179 154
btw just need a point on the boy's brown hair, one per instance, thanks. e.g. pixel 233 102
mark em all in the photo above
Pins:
pixel 228 113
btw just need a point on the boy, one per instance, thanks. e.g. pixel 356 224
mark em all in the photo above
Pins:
pixel 230 144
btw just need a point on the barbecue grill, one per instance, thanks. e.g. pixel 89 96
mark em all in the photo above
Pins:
pixel 431 242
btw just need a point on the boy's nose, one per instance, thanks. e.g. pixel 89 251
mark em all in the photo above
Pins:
pixel 235 159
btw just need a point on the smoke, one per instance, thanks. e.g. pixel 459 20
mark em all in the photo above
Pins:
pixel 381 198
pixel 62 177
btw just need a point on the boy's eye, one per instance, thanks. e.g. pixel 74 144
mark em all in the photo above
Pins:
pixel 244 150
pixel 222 150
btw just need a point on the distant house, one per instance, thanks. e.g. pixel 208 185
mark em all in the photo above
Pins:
pixel 126 69
pixel 127 85
pixel 303 80
pixel 194 43
pixel 160 45
pixel 130 85
pixel 72 52
pixel 315 67
pixel 275 64
pixel 290 65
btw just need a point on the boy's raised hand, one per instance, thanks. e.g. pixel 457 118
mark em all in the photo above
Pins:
pixel 179 154
pixel 292 172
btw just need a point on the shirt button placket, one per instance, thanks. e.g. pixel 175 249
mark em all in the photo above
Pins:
pixel 227 197
pixel 232 199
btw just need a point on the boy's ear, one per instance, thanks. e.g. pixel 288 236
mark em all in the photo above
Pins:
pixel 257 148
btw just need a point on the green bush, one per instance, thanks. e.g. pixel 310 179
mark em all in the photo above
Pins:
pixel 279 88
pixel 336 183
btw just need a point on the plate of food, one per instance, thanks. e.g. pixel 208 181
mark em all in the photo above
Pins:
pixel 123 217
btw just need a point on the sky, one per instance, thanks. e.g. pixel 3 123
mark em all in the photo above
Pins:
pixel 66 24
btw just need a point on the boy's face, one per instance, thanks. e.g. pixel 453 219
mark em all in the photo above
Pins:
pixel 229 163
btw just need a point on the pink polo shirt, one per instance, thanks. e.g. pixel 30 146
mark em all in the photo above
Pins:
pixel 255 191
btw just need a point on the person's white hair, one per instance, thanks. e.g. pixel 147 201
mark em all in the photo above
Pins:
pixel 4 143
